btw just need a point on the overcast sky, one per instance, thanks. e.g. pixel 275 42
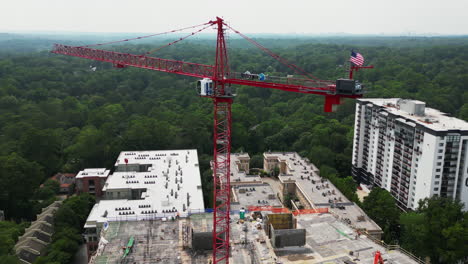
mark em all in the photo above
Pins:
pixel 248 16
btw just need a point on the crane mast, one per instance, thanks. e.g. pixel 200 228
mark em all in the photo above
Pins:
pixel 216 84
pixel 222 100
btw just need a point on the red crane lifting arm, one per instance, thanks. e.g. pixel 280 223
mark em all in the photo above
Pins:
pixel 215 84
pixel 203 71
pixel 125 59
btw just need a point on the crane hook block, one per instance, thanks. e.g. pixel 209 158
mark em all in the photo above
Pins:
pixel 205 87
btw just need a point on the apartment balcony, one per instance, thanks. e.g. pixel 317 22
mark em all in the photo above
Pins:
pixel 406 163
pixel 396 159
pixel 403 200
pixel 404 193
pixel 405 176
pixel 378 178
pixel 396 177
pixel 406 168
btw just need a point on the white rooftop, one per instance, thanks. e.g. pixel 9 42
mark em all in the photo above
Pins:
pixel 433 118
pixel 238 176
pixel 94 172
pixel 170 177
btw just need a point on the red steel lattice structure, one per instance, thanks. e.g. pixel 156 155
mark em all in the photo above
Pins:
pixel 222 79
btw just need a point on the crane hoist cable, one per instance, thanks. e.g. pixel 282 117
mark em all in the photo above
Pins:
pixel 275 56
pixel 174 42
pixel 147 36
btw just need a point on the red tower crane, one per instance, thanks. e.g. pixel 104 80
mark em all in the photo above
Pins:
pixel 216 84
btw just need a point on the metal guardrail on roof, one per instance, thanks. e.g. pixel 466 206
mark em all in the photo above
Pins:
pixel 396 247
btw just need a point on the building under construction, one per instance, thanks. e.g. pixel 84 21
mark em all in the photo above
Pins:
pixel 318 228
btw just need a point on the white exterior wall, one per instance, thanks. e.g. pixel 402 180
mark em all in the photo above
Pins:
pixel 373 143
pixel 461 170
pixel 422 185
pixel 464 177
pixel 387 174
pixel 424 168
pixel 358 141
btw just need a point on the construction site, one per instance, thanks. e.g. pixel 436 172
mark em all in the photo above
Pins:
pixel 152 209
pixel 262 230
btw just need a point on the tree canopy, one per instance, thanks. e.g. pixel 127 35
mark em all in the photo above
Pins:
pixel 58 115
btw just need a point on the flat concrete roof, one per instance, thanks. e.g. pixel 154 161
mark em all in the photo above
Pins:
pixel 154 242
pixel 172 176
pixel 437 120
pixel 328 240
pixel 239 177
pixel 254 195
pixel 93 172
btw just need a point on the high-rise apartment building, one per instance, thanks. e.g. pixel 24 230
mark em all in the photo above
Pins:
pixel 412 151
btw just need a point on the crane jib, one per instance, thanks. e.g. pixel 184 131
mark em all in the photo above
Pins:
pixel 126 59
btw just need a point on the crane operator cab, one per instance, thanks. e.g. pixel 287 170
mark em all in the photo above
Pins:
pixel 348 86
pixel 205 87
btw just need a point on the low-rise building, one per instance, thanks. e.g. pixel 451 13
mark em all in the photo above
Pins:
pixel 300 182
pixel 240 169
pixel 37 236
pixel 146 185
pixel 66 181
pixel 92 181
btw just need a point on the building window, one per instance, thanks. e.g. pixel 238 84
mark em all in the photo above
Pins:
pixel 439 157
pixel 436 189
pixel 436 183
pixel 441 150
pixel 453 138
pixel 437 170
pixel 439 163
pixel 437 176
pixel 441 144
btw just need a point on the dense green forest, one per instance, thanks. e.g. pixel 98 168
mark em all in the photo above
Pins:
pixel 58 115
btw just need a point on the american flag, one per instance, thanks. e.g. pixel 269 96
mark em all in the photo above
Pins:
pixel 356 58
